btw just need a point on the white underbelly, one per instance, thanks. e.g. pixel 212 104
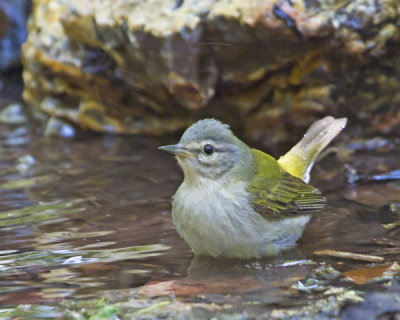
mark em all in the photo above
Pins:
pixel 221 222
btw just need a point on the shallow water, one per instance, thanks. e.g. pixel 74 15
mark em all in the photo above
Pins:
pixel 89 217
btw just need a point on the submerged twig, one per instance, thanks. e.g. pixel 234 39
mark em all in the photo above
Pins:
pixel 349 255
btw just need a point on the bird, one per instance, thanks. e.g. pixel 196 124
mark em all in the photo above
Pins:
pixel 239 202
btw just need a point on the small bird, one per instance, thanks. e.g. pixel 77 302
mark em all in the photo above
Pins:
pixel 238 202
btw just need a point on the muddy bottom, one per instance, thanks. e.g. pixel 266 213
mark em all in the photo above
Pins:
pixel 86 231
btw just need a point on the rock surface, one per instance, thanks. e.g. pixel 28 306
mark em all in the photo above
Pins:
pixel 133 66
pixel 13 16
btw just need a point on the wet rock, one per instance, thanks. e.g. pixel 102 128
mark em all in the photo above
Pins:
pixel 154 66
pixel 25 163
pixel 376 305
pixel 13 114
pixel 327 272
pixel 13 15
pixel 390 212
pixel 319 280
pixel 59 128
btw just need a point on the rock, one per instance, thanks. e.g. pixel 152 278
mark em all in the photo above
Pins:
pixel 155 66
pixel 377 305
pixel 13 16
pixel 13 114
pixel 390 212
pixel 58 128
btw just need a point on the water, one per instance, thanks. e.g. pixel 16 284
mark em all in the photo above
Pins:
pixel 88 219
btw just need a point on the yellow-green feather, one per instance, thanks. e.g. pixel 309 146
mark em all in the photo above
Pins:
pixel 277 193
pixel 300 159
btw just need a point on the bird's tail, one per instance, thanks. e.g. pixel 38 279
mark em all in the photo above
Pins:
pixel 300 159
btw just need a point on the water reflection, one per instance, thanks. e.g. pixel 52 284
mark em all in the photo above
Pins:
pixel 82 216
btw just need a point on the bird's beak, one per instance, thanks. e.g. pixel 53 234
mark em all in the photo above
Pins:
pixel 178 150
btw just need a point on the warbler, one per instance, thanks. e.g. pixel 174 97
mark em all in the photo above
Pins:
pixel 238 202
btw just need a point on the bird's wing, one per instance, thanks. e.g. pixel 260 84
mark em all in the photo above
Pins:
pixel 276 193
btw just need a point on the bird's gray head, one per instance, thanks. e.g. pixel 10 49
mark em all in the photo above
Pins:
pixel 209 149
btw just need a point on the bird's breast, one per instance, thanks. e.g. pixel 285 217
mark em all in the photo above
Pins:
pixel 217 218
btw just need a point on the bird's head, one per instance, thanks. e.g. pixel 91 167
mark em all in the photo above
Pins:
pixel 208 149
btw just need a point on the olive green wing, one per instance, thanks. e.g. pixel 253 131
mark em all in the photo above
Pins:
pixel 276 193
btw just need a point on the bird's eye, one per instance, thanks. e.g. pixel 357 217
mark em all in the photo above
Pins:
pixel 208 149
